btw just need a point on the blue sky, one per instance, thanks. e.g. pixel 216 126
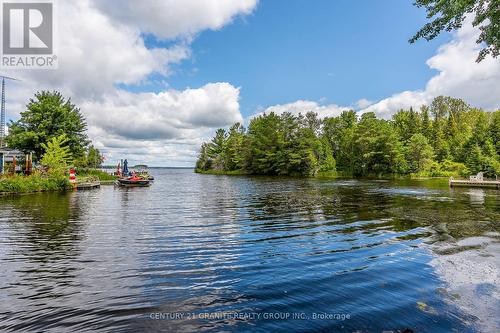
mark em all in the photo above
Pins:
pixel 155 78
pixel 332 51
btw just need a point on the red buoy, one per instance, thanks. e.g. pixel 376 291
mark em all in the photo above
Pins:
pixel 72 177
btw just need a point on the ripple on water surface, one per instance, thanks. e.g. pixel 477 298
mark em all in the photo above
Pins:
pixel 390 255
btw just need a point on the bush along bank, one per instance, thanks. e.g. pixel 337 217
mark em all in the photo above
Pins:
pixel 34 183
pixel 102 175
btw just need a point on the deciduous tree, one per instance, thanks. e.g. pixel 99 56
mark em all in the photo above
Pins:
pixel 448 15
pixel 48 115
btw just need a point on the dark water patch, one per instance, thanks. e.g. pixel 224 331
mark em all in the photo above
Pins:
pixel 217 253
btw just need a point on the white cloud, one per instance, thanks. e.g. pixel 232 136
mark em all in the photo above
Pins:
pixel 458 76
pixel 470 274
pixel 101 45
pixel 404 100
pixel 176 18
pixel 167 115
pixel 163 128
pixel 304 106
pixel 95 54
pixel 363 103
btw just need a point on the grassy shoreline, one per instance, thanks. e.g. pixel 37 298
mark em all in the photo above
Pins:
pixel 331 175
pixel 36 183
pixel 222 172
pixel 33 184
pixel 102 175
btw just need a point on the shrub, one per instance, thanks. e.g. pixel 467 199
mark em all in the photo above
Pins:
pixel 102 175
pixel 455 168
pixel 57 154
pixel 35 183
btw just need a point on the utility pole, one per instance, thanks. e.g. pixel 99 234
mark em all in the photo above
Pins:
pixel 2 116
pixel 2 112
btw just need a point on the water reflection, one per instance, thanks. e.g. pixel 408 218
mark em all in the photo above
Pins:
pixel 46 222
pixel 471 273
pixel 40 233
pixel 477 196
pixel 393 255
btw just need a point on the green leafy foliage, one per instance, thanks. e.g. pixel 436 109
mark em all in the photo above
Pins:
pixel 54 130
pixel 57 154
pixel 34 183
pixel 446 138
pixel 273 144
pixel 92 158
pixel 94 173
pixel 448 15
pixel 48 115
pixel 419 153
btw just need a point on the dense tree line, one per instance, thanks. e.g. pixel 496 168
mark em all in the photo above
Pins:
pixel 448 137
pixel 47 116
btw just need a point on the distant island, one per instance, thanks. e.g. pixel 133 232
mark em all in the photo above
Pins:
pixel 446 138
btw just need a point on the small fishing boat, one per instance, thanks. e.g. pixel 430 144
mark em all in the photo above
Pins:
pixel 143 171
pixel 133 181
pixel 132 178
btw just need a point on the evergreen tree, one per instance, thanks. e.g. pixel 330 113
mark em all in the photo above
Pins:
pixel 234 148
pixel 266 145
pixel 456 138
pixel 204 161
pixel 495 130
pixel 419 153
pixel 217 149
pixel 426 129
pixel 94 158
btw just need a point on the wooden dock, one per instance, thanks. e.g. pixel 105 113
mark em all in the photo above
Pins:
pixel 108 182
pixel 475 183
pixel 88 185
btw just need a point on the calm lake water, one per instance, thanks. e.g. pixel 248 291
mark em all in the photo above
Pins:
pixel 219 253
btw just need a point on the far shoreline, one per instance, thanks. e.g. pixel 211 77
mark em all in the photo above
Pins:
pixel 324 175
